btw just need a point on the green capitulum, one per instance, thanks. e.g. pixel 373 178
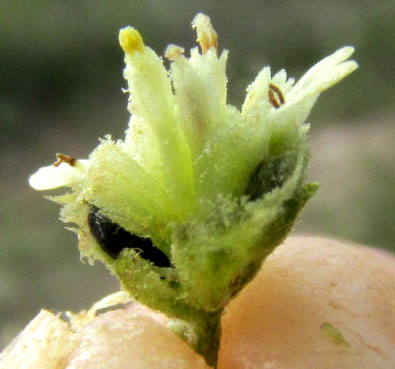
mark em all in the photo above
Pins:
pixel 212 188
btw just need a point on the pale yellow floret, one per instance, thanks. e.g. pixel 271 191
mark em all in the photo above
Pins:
pixel 131 40
pixel 152 102
pixel 207 37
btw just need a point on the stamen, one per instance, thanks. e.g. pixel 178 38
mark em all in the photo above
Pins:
pixel 173 52
pixel 62 158
pixel 276 97
pixel 206 35
pixel 131 40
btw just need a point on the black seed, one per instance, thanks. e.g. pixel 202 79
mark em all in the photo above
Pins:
pixel 112 239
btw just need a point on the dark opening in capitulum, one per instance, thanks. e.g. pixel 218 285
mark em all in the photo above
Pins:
pixel 268 175
pixel 112 239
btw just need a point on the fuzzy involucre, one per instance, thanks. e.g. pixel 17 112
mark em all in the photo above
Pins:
pixel 185 209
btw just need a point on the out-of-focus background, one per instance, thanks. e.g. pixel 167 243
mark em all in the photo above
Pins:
pixel 61 78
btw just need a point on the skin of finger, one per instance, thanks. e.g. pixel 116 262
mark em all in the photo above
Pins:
pixel 131 339
pixel 281 319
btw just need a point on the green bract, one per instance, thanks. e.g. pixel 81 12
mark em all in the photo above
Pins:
pixel 214 187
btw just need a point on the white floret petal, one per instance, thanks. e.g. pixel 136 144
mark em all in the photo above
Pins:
pixel 257 92
pixel 299 98
pixel 64 175
pixel 324 74
pixel 200 93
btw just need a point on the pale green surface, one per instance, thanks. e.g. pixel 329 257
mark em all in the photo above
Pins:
pixel 60 72
pixel 217 208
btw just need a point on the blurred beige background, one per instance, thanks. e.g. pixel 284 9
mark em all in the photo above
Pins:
pixel 61 79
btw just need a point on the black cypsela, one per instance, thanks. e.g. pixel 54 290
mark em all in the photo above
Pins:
pixel 113 239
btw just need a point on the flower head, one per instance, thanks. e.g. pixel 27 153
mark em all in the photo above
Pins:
pixel 206 188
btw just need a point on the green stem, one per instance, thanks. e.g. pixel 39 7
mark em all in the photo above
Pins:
pixel 202 332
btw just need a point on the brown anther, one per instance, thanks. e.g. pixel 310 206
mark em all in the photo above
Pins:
pixel 206 35
pixel 65 159
pixel 276 97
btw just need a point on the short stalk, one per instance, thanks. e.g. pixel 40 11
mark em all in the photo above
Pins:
pixel 202 333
